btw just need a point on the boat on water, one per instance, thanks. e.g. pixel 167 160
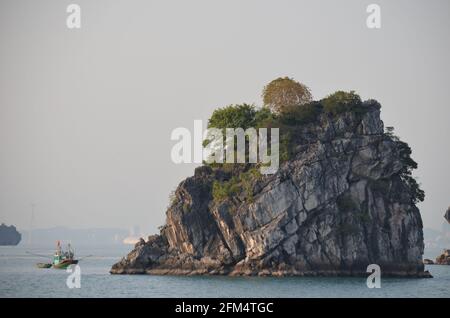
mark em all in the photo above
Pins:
pixel 61 259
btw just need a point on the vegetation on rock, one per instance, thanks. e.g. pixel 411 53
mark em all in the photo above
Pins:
pixel 343 197
pixel 288 105
pixel 284 93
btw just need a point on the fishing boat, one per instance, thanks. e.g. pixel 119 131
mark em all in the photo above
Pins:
pixel 61 259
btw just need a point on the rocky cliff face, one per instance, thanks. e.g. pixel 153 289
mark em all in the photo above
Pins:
pixel 337 205
pixel 9 235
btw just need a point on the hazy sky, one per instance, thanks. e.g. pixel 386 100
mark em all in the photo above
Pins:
pixel 86 115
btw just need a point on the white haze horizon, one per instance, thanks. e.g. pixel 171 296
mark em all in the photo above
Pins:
pixel 86 114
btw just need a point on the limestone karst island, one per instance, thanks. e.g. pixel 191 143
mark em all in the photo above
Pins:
pixel 343 197
pixel 9 235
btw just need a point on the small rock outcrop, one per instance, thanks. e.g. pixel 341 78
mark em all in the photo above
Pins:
pixel 338 204
pixel 444 258
pixel 9 235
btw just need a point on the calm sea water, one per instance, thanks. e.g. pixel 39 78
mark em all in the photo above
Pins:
pixel 20 278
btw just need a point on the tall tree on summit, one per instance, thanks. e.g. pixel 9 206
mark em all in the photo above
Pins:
pixel 284 93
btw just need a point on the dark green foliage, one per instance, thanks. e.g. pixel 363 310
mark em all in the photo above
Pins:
pixel 226 189
pixel 244 181
pixel 248 179
pixel 262 116
pixel 241 116
pixel 405 155
pixel 301 115
pixel 417 194
pixel 233 116
pixel 390 133
pixel 341 102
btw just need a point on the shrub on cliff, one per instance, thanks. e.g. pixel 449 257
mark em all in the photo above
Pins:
pixel 404 150
pixel 240 116
pixel 233 116
pixel 242 182
pixel 418 195
pixel 294 115
pixel 341 102
pixel 226 189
